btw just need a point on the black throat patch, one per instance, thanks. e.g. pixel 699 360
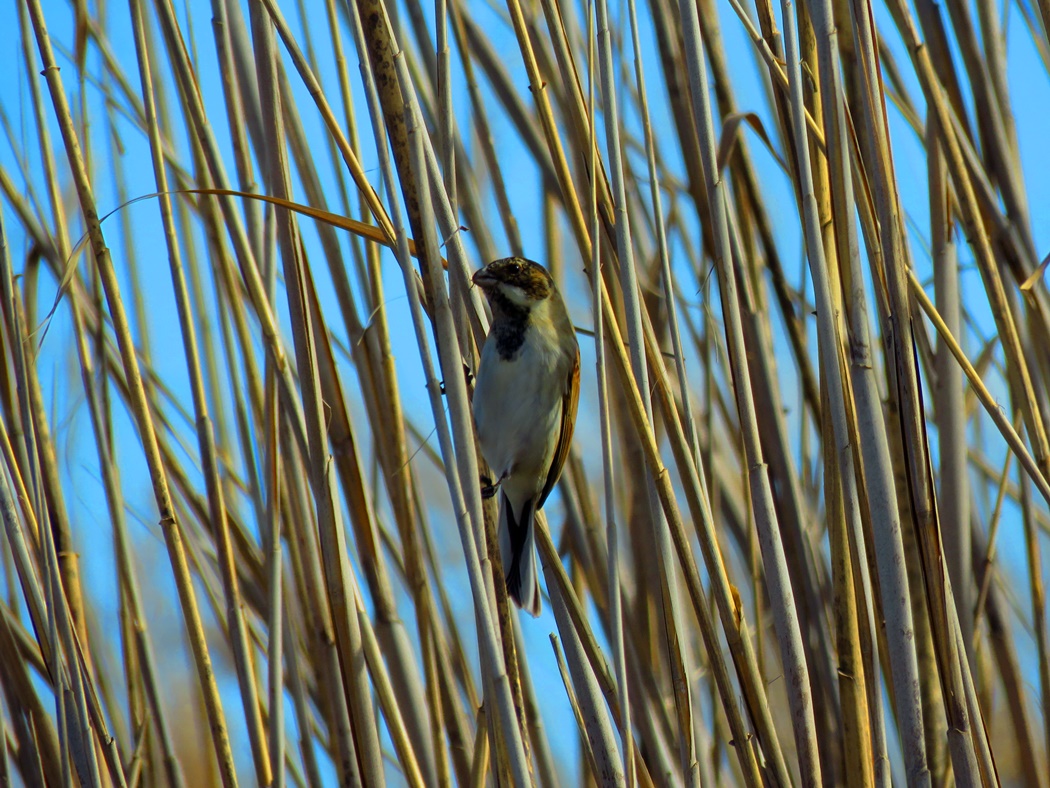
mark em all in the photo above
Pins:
pixel 509 323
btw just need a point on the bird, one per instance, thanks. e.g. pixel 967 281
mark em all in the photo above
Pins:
pixel 525 398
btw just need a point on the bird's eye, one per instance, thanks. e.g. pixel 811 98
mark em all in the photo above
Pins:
pixel 514 268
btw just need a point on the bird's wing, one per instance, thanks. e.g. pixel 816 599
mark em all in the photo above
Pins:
pixel 569 400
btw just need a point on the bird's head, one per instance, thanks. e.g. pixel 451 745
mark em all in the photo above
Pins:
pixel 521 282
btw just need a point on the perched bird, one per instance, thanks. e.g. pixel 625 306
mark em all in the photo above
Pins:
pixel 528 385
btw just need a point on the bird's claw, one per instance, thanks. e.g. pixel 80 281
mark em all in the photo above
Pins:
pixel 488 489
pixel 467 374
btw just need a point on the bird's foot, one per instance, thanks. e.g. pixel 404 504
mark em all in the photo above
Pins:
pixel 468 376
pixel 488 489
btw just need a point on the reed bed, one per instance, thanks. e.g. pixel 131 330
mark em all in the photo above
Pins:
pixel 798 539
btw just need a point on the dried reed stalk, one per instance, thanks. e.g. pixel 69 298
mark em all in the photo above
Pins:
pixel 784 532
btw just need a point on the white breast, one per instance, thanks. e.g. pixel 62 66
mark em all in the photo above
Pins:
pixel 517 408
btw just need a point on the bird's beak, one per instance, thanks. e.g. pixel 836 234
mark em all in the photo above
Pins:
pixel 483 279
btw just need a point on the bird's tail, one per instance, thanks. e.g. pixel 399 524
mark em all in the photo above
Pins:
pixel 517 547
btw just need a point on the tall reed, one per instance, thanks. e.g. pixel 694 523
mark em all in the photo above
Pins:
pixel 798 539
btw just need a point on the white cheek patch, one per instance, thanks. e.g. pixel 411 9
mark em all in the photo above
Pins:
pixel 515 295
